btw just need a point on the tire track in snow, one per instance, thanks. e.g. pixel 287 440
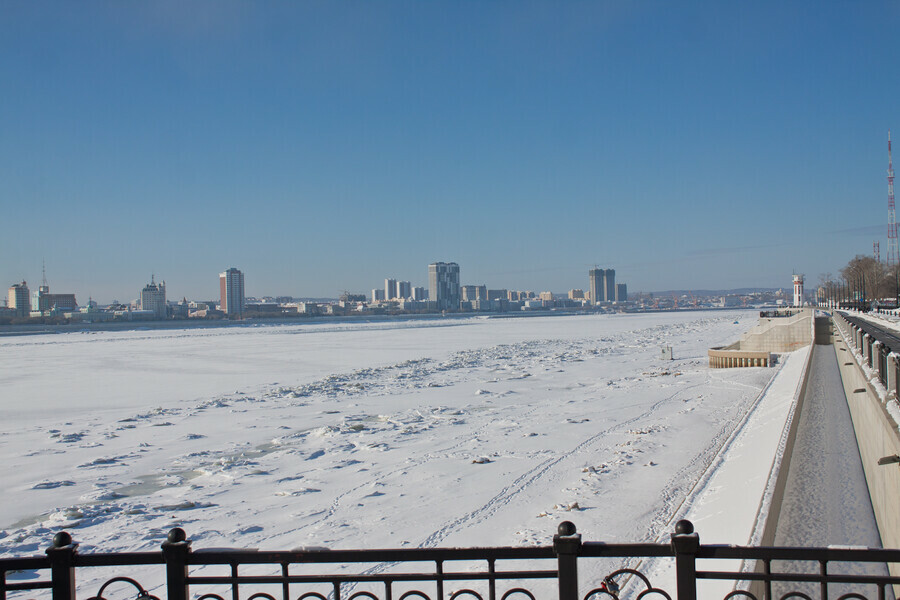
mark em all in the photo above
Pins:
pixel 521 483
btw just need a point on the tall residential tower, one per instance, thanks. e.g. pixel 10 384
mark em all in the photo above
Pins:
pixel 17 299
pixel 443 285
pixel 609 286
pixel 594 287
pixel 231 289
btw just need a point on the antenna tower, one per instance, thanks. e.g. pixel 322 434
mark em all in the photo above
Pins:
pixel 43 273
pixel 876 250
pixel 892 257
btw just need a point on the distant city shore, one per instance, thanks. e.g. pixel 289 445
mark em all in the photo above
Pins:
pixel 25 329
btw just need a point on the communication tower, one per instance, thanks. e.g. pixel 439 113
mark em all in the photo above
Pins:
pixel 892 258
pixel 876 251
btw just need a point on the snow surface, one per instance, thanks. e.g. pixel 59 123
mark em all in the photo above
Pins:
pixel 458 432
pixel 730 502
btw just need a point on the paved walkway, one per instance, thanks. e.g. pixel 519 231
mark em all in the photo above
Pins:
pixel 826 500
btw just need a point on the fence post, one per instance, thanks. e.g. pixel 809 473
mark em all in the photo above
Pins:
pixel 62 566
pixel 175 552
pixel 686 543
pixel 567 544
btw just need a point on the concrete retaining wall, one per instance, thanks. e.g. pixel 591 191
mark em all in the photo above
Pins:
pixel 783 334
pixel 779 334
pixel 877 435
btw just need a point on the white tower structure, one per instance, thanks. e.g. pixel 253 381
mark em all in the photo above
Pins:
pixel 798 290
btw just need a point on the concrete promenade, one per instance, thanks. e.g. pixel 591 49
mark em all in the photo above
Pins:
pixel 826 500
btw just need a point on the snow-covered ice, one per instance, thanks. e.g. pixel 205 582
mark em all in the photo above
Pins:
pixel 426 433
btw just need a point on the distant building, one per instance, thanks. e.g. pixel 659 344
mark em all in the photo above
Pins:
pixel 576 294
pixel 518 295
pixel 595 287
pixel 39 298
pixel 153 298
pixel 43 302
pixel 348 297
pixel 404 289
pixel 470 293
pixel 443 285
pixel 390 289
pixel 17 300
pixel 609 286
pixel 419 294
pixel 546 296
pixel 181 309
pixel 231 293
pixel 377 295
pixel 621 292
pixel 48 302
pixel 602 285
pixel 497 295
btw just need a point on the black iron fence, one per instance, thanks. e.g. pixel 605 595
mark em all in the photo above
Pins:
pixel 460 573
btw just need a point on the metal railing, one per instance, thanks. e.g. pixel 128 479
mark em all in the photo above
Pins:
pixel 456 573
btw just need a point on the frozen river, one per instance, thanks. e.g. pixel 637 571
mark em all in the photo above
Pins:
pixel 394 434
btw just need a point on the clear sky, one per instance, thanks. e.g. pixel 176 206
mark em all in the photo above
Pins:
pixel 323 146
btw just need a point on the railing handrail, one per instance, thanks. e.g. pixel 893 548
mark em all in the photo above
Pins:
pixel 202 557
pixel 371 555
pixel 63 559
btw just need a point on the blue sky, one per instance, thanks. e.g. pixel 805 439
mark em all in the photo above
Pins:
pixel 323 146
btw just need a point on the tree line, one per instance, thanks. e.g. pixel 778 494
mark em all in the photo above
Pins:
pixel 863 283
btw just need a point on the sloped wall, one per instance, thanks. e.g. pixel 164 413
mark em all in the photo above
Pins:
pixel 783 334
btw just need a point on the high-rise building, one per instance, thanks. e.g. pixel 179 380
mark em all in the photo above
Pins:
pixel 18 299
pixel 39 299
pixel 621 292
pixel 419 293
pixel 377 295
pixel 609 285
pixel 153 298
pixel 576 294
pixel 404 289
pixel 595 288
pixel 602 285
pixel 231 291
pixel 443 285
pixel 390 289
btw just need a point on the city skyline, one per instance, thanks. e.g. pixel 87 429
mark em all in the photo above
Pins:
pixel 403 289
pixel 694 146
